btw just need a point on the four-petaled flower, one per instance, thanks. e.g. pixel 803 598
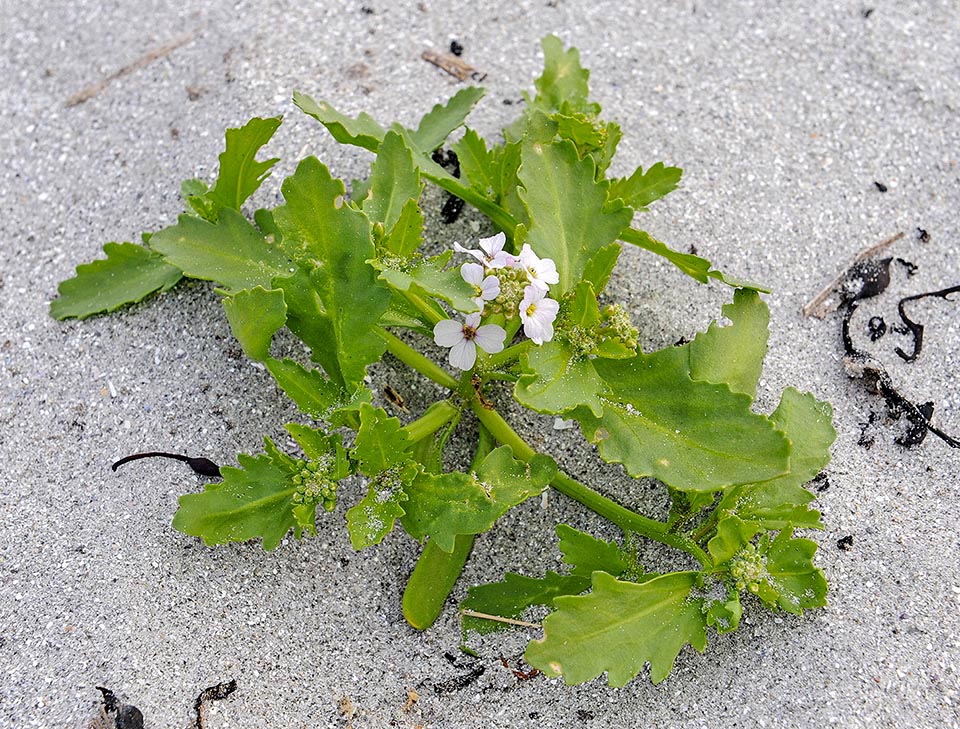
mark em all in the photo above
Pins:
pixel 542 272
pixel 537 313
pixel 463 339
pixel 491 253
pixel 486 289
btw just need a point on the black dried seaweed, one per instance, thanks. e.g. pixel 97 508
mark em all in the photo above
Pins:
pixel 915 328
pixel 200 466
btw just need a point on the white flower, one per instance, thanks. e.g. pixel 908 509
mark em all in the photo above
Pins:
pixel 491 253
pixel 465 338
pixel 486 289
pixel 541 271
pixel 537 314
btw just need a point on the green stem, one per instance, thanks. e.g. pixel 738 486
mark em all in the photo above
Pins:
pixel 433 313
pixel 436 416
pixel 626 519
pixel 411 357
pixel 508 355
pixel 437 571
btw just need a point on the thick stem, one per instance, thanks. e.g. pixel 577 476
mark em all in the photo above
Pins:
pixel 411 357
pixel 507 356
pixel 621 516
pixel 436 416
pixel 437 571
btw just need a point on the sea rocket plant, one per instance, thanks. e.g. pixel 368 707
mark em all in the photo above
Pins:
pixel 347 275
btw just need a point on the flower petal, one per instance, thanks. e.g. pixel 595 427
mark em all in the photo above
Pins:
pixel 490 338
pixel 448 332
pixel 472 273
pixel 493 245
pixel 463 355
pixel 472 320
pixel 490 288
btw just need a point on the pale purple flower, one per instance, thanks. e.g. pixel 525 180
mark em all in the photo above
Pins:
pixel 491 253
pixel 463 339
pixel 537 313
pixel 486 289
pixel 542 272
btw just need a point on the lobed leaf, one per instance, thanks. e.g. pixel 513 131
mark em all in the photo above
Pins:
pixel 782 502
pixel 240 173
pixel 381 442
pixel 129 274
pixel 511 597
pixel 394 182
pixel 552 176
pixel 693 436
pixel 231 251
pixel 255 315
pixel 732 534
pixel 255 500
pixel 557 379
pixel 619 627
pixel 563 85
pixel 431 276
pixel 587 554
pixel 313 393
pixel 642 188
pixel 733 354
pixel 478 166
pixel 335 300
pixel 375 515
pixel 364 131
pixel 442 119
pixel 696 267
pixel 797 584
pixel 443 506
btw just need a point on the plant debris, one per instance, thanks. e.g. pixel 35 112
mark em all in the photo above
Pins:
pixel 915 328
pixel 845 543
pixel 200 466
pixel 453 65
pixel 211 693
pixel 156 54
pixel 114 714
pixel 866 278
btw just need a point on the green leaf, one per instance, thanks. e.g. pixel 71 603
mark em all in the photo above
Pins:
pixel 129 274
pixel 694 266
pixel 618 627
pixel 511 597
pixel 440 121
pixel 375 515
pixel 406 235
pixel 587 554
pixel 360 132
pixel 231 251
pixel 724 614
pixel 563 85
pixel 556 379
pixel 255 315
pixel 732 535
pixel 790 573
pixel 394 181
pixel 571 234
pixel 334 307
pixel 693 436
pixel 313 393
pixel 255 500
pixel 478 166
pixel 442 506
pixel 599 267
pixel 733 354
pixel 643 188
pixel 240 173
pixel 580 130
pixel 782 502
pixel 381 441
pixel 431 276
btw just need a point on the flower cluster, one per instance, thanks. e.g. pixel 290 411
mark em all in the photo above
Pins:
pixel 315 483
pixel 511 285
